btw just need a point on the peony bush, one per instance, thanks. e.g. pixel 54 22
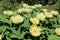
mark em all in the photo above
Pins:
pixel 30 23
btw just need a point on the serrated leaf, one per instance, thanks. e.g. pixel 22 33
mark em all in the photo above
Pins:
pixel 17 34
pixel 26 23
pixel 52 31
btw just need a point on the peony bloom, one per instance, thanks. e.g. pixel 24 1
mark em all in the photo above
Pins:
pixel 57 30
pixel 24 10
pixel 16 19
pixel 27 10
pixel 35 31
pixel 20 10
pixel 8 13
pixel 0 37
pixel 25 5
pixel 45 10
pixel 34 20
pixel 40 16
pixel 48 15
pixel 55 12
pixel 38 5
pixel 32 7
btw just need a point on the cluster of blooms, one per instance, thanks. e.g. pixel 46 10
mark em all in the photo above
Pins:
pixel 34 29
pixel 26 8
pixel 14 18
pixel 42 16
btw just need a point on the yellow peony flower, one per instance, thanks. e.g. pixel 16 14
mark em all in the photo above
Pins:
pixel 25 5
pixel 45 10
pixel 34 20
pixel 54 12
pixel 0 37
pixel 20 10
pixel 48 15
pixel 38 5
pixel 40 16
pixel 8 13
pixel 16 19
pixel 32 7
pixel 35 31
pixel 27 10
pixel 24 10
pixel 57 30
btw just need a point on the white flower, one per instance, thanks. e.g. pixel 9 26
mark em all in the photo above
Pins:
pixel 48 15
pixel 35 31
pixel 16 19
pixel 57 30
pixel 40 16
pixel 25 6
pixel 54 12
pixel 38 5
pixel 34 20
pixel 0 37
pixel 8 13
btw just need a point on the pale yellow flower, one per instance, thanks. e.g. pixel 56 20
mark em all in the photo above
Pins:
pixel 35 31
pixel 8 13
pixel 25 5
pixel 24 10
pixel 32 7
pixel 27 10
pixel 34 20
pixel 0 37
pixel 16 19
pixel 38 5
pixel 45 10
pixel 49 15
pixel 54 12
pixel 20 10
pixel 57 30
pixel 40 16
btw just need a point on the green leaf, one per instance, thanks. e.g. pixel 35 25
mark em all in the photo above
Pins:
pixel 52 31
pixel 58 16
pixel 26 23
pixel 17 34
pixel 54 37
pixel 7 33
pixel 3 28
pixel 59 21
pixel 4 19
pixel 8 38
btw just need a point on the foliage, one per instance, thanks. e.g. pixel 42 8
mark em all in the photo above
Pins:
pixel 57 7
pixel 17 25
pixel 43 2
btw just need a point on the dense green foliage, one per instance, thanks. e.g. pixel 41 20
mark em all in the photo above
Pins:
pixel 44 2
pixel 14 30
pixel 20 31
pixel 13 4
pixel 57 7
